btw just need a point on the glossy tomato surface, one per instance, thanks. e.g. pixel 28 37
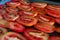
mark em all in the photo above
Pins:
pixel 33 34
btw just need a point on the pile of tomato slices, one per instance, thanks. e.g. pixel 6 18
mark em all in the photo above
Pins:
pixel 22 20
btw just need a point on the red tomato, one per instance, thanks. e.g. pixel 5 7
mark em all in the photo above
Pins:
pixel 2 31
pixel 33 34
pixel 58 20
pixel 16 27
pixel 13 4
pixel 12 10
pixel 46 19
pixel 27 21
pixel 57 29
pixel 39 5
pixel 12 36
pixel 53 10
pixel 54 38
pixel 28 13
pixel 45 27
pixel 25 7
pixel 10 16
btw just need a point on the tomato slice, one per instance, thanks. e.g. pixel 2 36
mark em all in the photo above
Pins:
pixel 58 20
pixel 12 10
pixel 33 34
pixel 53 11
pixel 28 13
pixel 39 5
pixel 25 7
pixel 2 31
pixel 57 29
pixel 27 21
pixel 13 4
pixel 16 27
pixel 12 36
pixel 46 19
pixel 54 38
pixel 45 27
pixel 10 16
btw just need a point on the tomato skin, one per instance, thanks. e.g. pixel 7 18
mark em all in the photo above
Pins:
pixel 27 21
pixel 29 36
pixel 16 27
pixel 54 38
pixel 13 34
pixel 13 4
pixel 58 20
pixel 57 29
pixel 53 11
pixel 45 27
pixel 2 31
pixel 46 19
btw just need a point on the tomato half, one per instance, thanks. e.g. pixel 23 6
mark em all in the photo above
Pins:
pixel 39 5
pixel 53 10
pixel 28 13
pixel 10 16
pixel 46 19
pixel 27 21
pixel 58 20
pixel 54 38
pixel 12 36
pixel 33 34
pixel 45 27
pixel 16 27
pixel 57 29
pixel 2 31
pixel 25 7
pixel 13 4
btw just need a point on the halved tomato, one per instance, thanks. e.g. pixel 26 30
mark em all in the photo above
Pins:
pixel 33 34
pixel 28 13
pixel 16 27
pixel 25 7
pixel 53 10
pixel 46 19
pixel 10 16
pixel 39 5
pixel 11 10
pixel 12 36
pixel 45 27
pixel 13 4
pixel 27 21
pixel 54 38
pixel 58 20
pixel 2 31
pixel 57 29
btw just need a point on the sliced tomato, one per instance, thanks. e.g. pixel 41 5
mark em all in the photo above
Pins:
pixel 2 31
pixel 58 20
pixel 39 5
pixel 12 36
pixel 53 10
pixel 12 10
pixel 10 16
pixel 27 21
pixel 54 38
pixel 25 7
pixel 57 29
pixel 33 34
pixel 13 4
pixel 16 27
pixel 46 19
pixel 45 27
pixel 28 13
